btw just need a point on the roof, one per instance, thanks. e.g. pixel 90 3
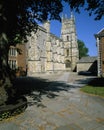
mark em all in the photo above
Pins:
pixel 88 59
pixel 100 33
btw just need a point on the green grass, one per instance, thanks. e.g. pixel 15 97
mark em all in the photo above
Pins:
pixel 93 90
pixel 95 86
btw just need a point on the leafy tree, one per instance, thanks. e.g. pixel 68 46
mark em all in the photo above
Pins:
pixel 83 50
pixel 19 17
pixel 92 6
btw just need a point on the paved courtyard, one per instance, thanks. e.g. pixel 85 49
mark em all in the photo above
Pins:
pixel 61 107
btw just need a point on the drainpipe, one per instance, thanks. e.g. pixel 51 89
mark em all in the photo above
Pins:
pixel 99 58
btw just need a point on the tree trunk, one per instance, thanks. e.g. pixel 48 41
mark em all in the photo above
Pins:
pixel 5 73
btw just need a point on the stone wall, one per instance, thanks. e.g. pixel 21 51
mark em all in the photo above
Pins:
pixel 69 37
pixel 44 52
pixel 47 53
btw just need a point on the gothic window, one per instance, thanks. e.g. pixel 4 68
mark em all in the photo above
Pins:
pixel 67 38
pixel 67 52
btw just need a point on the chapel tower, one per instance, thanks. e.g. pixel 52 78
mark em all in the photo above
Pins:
pixel 69 37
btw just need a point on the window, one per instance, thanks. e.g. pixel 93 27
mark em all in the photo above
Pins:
pixel 12 64
pixel 67 52
pixel 67 38
pixel 12 52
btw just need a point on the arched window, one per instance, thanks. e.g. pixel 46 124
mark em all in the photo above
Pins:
pixel 67 52
pixel 67 38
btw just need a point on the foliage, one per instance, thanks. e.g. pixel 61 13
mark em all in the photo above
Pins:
pixel 18 18
pixel 13 108
pixel 92 6
pixel 83 50
pixel 10 113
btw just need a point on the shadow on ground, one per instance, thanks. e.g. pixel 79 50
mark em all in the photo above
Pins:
pixel 97 82
pixel 94 81
pixel 35 88
pixel 86 80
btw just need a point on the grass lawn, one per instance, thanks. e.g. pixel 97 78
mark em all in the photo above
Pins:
pixel 95 86
pixel 93 90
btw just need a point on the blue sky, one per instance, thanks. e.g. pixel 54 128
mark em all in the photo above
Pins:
pixel 86 27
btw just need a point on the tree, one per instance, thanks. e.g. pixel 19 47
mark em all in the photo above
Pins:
pixel 92 6
pixel 83 50
pixel 18 18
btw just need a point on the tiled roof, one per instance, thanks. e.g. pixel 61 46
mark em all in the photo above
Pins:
pixel 88 59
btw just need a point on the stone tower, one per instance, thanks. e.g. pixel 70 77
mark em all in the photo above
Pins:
pixel 69 37
pixel 46 25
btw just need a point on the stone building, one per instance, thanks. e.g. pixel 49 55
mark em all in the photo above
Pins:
pixel 87 64
pixel 46 53
pixel 100 44
pixel 69 38
pixel 49 53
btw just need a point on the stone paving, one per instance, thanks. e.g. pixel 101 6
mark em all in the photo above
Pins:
pixel 63 107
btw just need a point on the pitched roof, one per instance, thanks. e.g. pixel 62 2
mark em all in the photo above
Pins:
pixel 88 59
pixel 100 33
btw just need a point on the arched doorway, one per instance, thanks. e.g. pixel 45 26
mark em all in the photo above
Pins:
pixel 68 64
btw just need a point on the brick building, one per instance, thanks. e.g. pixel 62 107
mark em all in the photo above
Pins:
pixel 18 61
pixel 100 44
